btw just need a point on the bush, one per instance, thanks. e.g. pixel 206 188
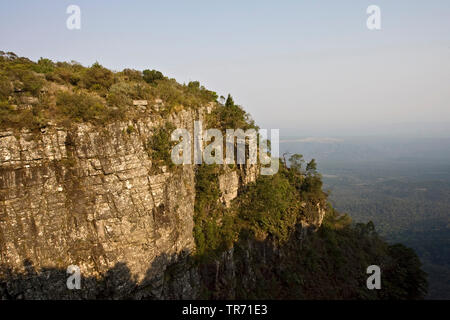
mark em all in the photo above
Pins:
pixel 211 236
pixel 200 92
pixel 12 118
pixel 81 107
pixel 151 76
pixel 97 77
pixel 6 88
pixel 231 116
pixel 18 74
pixel 404 278
pixel 66 73
pixel 132 75
pixel 31 82
pixel 159 146
pixel 44 66
pixel 122 93
pixel 270 206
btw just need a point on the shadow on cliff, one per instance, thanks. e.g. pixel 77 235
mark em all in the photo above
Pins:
pixel 328 264
pixel 116 283
pixel 252 269
pixel 175 276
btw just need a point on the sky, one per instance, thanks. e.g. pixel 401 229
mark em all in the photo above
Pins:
pixel 309 66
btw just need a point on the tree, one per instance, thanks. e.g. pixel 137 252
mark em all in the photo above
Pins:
pixel 134 75
pixel 311 167
pixel 404 278
pixel 194 85
pixel 150 76
pixel 296 162
pixel 97 77
pixel 44 66
pixel 229 102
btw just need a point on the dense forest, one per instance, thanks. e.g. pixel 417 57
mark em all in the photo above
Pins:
pixel 401 183
pixel 411 211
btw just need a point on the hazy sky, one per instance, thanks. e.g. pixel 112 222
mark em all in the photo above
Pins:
pixel 309 64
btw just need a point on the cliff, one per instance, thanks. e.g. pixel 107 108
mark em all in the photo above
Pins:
pixel 93 197
pixel 86 180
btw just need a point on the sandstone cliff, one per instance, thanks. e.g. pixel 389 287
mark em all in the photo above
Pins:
pixel 92 197
pixel 86 182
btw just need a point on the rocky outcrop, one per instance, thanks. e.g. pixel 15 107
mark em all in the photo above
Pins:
pixel 93 197
pixel 229 184
pixel 232 179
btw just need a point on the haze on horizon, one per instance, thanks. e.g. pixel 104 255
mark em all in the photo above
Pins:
pixel 311 66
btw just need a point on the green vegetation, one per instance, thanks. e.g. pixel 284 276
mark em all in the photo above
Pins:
pixel 97 78
pixel 216 227
pixel 331 264
pixel 271 207
pixel 35 93
pixel 11 118
pixel 81 107
pixel 160 145
pixel 229 116
pixel 211 219
pixel 328 264
pixel 276 211
pixel 44 66
pixel 151 76
pixel 402 184
pixel 409 204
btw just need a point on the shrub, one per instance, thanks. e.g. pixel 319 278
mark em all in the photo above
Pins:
pixel 127 91
pixel 32 82
pixel 132 75
pixel 97 77
pixel 209 233
pixel 404 279
pixel 81 107
pixel 159 146
pixel 270 206
pixel 151 76
pixel 7 113
pixel 66 73
pixel 44 66
pixel 18 74
pixel 230 116
pixel 200 93
pixel 12 118
pixel 5 87
pixel 119 95
pixel 194 85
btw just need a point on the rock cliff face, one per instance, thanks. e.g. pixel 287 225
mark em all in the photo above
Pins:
pixel 93 198
pixel 104 201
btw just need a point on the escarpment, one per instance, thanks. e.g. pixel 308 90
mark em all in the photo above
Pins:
pixel 88 191
pixel 94 197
